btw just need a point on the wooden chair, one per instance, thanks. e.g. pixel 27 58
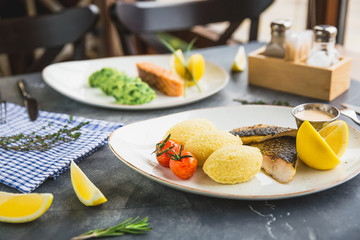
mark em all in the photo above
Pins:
pixel 145 19
pixel 21 36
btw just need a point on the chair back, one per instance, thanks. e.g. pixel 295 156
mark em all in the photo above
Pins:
pixel 141 18
pixel 52 32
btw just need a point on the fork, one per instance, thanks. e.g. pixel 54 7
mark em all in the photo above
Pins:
pixel 351 114
pixel 3 111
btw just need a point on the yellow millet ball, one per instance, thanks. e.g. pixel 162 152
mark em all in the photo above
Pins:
pixel 183 131
pixel 204 144
pixel 233 164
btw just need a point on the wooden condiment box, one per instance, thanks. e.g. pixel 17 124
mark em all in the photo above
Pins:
pixel 298 77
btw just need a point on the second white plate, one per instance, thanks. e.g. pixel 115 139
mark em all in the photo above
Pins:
pixel 134 143
pixel 71 80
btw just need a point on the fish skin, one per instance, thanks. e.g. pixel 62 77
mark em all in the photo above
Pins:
pixel 278 146
pixel 283 147
pixel 279 157
pixel 262 132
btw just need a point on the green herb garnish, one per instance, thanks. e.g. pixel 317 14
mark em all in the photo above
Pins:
pixel 247 102
pixel 189 47
pixel 281 103
pixel 187 71
pixel 260 102
pixel 129 226
pixel 37 142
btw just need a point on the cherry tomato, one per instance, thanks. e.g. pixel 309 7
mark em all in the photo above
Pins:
pixel 164 148
pixel 183 165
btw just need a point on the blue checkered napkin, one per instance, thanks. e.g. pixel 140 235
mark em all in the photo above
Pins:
pixel 25 171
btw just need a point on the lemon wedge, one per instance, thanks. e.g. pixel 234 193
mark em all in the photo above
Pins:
pixel 85 190
pixel 20 208
pixel 336 134
pixel 176 65
pixel 196 67
pixel 313 149
pixel 239 63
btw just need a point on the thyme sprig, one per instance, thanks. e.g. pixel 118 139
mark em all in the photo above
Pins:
pixel 37 142
pixel 260 102
pixel 129 226
pixel 187 71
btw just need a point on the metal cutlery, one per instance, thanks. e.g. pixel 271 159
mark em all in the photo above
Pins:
pixel 30 103
pixel 353 107
pixel 351 114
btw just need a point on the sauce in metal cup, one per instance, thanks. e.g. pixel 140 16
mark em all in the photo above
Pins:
pixel 317 114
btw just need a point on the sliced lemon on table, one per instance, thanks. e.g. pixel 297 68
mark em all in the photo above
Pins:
pixel 176 66
pixel 313 150
pixel 196 67
pixel 20 207
pixel 239 63
pixel 336 134
pixel 84 189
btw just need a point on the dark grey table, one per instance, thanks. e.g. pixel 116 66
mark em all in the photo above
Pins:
pixel 173 214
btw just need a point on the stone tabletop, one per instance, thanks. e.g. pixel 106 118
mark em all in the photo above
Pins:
pixel 173 214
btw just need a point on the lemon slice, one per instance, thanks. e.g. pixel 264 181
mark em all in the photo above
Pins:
pixel 239 63
pixel 196 67
pixel 20 208
pixel 313 150
pixel 85 190
pixel 336 134
pixel 175 63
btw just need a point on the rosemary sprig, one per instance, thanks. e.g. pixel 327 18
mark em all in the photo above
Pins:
pixel 37 142
pixel 247 102
pixel 129 226
pixel 162 144
pixel 260 102
pixel 281 103
pixel 187 71
pixel 178 157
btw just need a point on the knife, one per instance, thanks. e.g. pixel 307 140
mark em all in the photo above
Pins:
pixel 30 103
pixel 353 107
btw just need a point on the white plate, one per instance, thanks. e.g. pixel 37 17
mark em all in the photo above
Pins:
pixel 134 143
pixel 71 80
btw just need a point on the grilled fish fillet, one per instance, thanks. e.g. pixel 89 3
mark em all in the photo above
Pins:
pixel 262 132
pixel 278 146
pixel 279 157
pixel 160 78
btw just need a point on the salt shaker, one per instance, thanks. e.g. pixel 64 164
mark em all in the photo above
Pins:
pixel 276 47
pixel 323 53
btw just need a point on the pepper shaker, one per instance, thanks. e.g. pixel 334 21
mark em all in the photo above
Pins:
pixel 276 47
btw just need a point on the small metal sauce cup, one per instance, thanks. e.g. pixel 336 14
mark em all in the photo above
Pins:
pixel 331 110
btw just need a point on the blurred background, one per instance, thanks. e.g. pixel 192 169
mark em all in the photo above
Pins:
pixel 103 41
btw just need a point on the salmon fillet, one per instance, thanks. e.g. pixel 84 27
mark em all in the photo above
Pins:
pixel 160 78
